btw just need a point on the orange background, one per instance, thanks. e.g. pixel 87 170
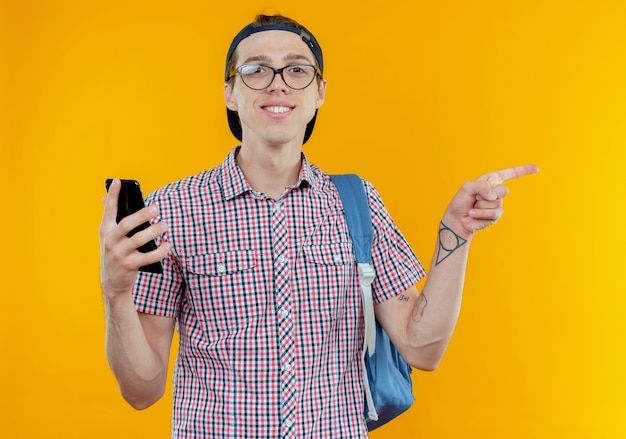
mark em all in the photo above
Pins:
pixel 421 96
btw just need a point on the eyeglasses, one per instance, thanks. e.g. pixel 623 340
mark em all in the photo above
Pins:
pixel 259 76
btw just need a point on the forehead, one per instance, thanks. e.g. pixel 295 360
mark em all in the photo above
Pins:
pixel 274 45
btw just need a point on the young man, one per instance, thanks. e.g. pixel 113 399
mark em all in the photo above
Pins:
pixel 259 276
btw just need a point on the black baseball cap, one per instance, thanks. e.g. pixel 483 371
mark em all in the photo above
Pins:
pixel 252 28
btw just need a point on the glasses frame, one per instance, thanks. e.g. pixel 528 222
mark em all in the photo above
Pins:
pixel 237 72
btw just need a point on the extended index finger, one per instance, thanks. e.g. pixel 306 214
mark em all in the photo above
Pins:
pixel 110 201
pixel 497 177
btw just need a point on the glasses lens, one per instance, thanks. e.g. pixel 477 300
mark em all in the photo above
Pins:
pixel 259 77
pixel 299 76
pixel 255 76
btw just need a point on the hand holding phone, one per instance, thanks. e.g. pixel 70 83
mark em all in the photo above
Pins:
pixel 130 201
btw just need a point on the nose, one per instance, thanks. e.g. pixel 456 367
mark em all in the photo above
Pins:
pixel 278 83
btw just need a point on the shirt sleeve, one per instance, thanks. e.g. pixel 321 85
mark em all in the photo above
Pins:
pixel 161 293
pixel 397 267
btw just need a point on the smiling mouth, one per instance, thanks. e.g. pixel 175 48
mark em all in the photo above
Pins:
pixel 277 109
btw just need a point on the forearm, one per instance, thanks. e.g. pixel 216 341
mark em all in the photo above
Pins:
pixel 424 324
pixel 436 311
pixel 140 373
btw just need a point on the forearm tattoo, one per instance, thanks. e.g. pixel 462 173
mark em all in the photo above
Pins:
pixel 422 303
pixel 452 240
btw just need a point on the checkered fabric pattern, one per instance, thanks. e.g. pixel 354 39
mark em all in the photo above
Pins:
pixel 267 302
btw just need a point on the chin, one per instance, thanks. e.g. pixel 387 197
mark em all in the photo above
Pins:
pixel 283 138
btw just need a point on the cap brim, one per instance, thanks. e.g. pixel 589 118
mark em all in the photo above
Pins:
pixel 233 123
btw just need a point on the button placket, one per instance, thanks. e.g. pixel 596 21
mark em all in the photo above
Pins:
pixel 282 291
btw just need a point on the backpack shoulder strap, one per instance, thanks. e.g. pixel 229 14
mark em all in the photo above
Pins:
pixel 358 216
pixel 357 211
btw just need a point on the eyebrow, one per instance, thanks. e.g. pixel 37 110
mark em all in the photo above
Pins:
pixel 288 57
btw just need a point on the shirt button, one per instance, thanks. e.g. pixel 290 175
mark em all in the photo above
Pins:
pixel 287 367
pixel 337 258
pixel 282 259
pixel 221 268
pixel 284 312
pixel 288 423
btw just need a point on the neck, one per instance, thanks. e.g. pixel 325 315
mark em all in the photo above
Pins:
pixel 270 169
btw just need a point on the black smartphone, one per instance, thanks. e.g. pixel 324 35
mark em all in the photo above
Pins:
pixel 129 202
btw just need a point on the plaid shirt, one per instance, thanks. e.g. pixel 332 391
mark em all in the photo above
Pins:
pixel 267 299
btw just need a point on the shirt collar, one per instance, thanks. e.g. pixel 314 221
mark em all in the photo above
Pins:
pixel 234 183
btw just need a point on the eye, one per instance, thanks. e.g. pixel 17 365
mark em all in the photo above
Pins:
pixel 253 70
pixel 299 70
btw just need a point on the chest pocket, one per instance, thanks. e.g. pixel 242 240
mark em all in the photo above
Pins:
pixel 330 276
pixel 223 289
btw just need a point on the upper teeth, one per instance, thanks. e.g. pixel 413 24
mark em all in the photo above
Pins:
pixel 277 109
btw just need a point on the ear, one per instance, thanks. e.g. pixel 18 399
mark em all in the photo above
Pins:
pixel 231 103
pixel 321 94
